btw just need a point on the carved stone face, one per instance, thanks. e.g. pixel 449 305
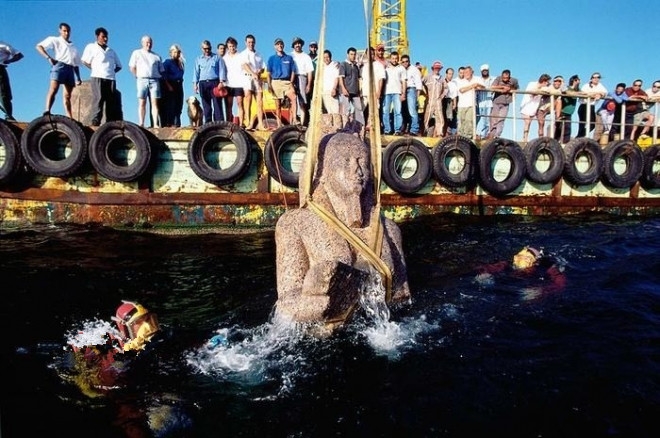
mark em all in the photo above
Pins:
pixel 347 163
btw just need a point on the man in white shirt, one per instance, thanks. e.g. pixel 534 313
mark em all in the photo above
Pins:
pixel 330 84
pixel 467 101
pixel 379 80
pixel 304 76
pixel 65 63
pixel 253 66
pixel 395 94
pixel 653 97
pixel 104 63
pixel 147 67
pixel 596 91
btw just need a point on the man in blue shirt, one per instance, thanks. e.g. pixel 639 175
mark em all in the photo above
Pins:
pixel 281 70
pixel 210 73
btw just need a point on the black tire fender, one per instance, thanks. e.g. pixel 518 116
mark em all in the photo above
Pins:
pixel 631 153
pixel 283 137
pixel 544 146
pixel 452 148
pixel 512 152
pixel 114 135
pixel 392 165
pixel 42 141
pixel 212 137
pixel 13 161
pixel 577 148
pixel 651 179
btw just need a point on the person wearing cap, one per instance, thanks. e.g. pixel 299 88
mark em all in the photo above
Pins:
pixel 530 272
pixel 568 105
pixel 8 54
pixel 549 103
pixel 281 73
pixel 484 103
pixel 434 88
pixel 304 78
pixel 172 87
pixel 313 54
pixel 104 64
pixel 596 91
pixel 653 93
pixel 349 87
pixel 637 113
pixel 503 86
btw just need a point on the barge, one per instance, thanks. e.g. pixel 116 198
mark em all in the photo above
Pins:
pixel 57 170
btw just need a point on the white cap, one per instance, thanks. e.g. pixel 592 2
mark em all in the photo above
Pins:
pixel 484 67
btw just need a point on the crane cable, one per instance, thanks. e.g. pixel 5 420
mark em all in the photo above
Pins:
pixel 371 251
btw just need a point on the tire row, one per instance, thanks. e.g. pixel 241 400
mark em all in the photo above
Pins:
pixel 501 165
pixel 121 151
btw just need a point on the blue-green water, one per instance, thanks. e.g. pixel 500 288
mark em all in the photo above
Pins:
pixel 462 359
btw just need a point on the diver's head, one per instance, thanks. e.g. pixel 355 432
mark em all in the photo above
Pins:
pixel 526 258
pixel 130 316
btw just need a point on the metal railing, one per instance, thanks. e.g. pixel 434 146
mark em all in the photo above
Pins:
pixel 590 101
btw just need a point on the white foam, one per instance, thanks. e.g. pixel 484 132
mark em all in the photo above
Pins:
pixel 93 332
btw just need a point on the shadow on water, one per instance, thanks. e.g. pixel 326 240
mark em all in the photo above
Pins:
pixel 462 358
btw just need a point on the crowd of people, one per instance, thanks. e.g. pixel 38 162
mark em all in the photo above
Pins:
pixel 411 101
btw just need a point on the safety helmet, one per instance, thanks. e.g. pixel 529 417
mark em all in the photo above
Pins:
pixel 130 316
pixel 526 258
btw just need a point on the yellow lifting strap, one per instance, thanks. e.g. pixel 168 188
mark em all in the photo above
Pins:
pixel 314 131
pixel 371 251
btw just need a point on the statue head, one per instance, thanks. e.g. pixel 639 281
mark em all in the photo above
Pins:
pixel 345 177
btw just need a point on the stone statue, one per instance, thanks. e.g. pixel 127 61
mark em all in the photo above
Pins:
pixel 319 273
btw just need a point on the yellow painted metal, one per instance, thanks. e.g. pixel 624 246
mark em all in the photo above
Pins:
pixel 389 26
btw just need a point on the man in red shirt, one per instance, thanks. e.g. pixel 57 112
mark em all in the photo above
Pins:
pixel 637 112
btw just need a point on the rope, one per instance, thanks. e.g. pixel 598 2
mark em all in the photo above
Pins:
pixel 370 251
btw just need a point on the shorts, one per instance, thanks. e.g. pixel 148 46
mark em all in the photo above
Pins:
pixel 234 91
pixel 639 118
pixel 280 88
pixel 252 85
pixel 301 86
pixel 148 87
pixel 62 74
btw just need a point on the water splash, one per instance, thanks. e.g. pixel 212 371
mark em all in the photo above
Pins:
pixel 386 337
pixel 254 355
pixel 93 332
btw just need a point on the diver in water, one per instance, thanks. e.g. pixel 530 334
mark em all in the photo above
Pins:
pixel 536 273
pixel 136 324
pixel 124 359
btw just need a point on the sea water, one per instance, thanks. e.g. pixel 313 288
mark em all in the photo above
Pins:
pixel 462 358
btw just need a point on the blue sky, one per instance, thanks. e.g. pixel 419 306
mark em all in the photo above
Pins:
pixel 529 37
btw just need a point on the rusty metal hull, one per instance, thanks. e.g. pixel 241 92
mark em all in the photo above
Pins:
pixel 172 195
